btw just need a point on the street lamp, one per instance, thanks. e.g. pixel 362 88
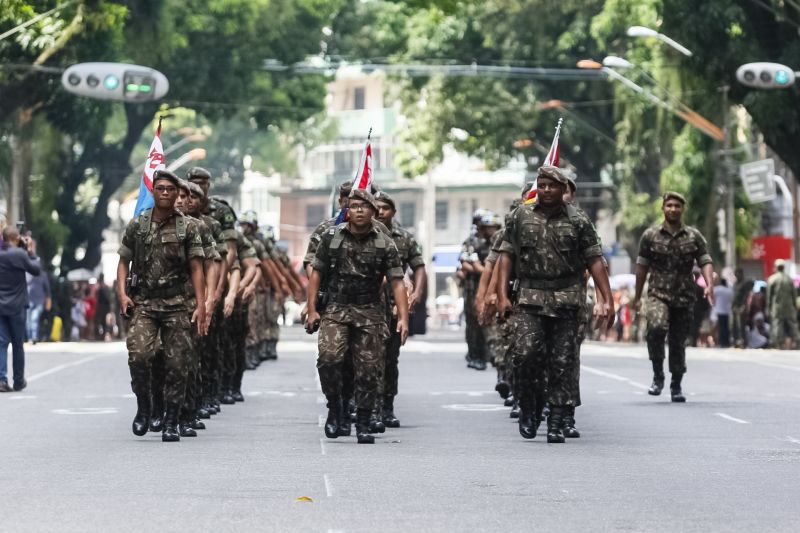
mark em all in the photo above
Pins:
pixel 193 155
pixel 195 137
pixel 642 31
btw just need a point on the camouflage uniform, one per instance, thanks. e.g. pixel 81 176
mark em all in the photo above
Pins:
pixel 471 250
pixel 500 339
pixel 352 269
pixel 551 254
pixel 410 254
pixel 236 326
pixel 781 308
pixel 257 311
pixel 161 252
pixel 671 292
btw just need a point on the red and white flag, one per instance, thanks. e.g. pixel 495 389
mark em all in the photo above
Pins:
pixel 155 161
pixel 551 160
pixel 363 179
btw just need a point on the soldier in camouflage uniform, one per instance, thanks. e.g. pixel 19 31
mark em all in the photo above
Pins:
pixel 410 258
pixel 165 250
pixel 781 308
pixel 471 268
pixel 551 244
pixel 350 264
pixel 668 252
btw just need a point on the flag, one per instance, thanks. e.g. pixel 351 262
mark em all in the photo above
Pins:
pixel 155 161
pixel 363 178
pixel 551 160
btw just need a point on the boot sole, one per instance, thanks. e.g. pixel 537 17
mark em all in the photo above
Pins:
pixel 331 435
pixel 139 433
pixel 366 441
pixel 555 440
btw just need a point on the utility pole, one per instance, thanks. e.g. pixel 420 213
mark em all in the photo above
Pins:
pixel 730 226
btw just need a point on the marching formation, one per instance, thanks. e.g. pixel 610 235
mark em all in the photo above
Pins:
pixel 203 300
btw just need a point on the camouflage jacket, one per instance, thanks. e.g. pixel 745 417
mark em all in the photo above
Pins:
pixel 780 295
pixel 496 242
pixel 551 253
pixel 670 259
pixel 244 250
pixel 161 252
pixel 216 233
pixel 321 229
pixel 209 244
pixel 223 213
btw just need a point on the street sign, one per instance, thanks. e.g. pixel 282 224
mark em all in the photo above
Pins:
pixel 757 179
pixel 765 75
pixel 115 81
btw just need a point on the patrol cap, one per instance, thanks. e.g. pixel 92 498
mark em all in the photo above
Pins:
pixel 183 185
pixel 345 188
pixel 249 217
pixel 268 231
pixel 198 173
pixel 492 219
pixel 527 188
pixel 195 189
pixel 363 194
pixel 384 197
pixel 554 173
pixel 164 174
pixel 672 195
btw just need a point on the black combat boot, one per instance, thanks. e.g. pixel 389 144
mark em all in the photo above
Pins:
pixel 509 402
pixel 237 395
pixel 568 425
pixel 334 416
pixel 202 412
pixel 170 432
pixel 142 418
pixel 389 420
pixel 675 389
pixel 249 363
pixel 376 424
pixel 527 419
pixel 227 398
pixel 157 413
pixel 479 364
pixel 345 424
pixel 272 350
pixel 362 427
pixel 514 410
pixel 658 378
pixel 502 387
pixel 198 424
pixel 263 351
pixel 554 421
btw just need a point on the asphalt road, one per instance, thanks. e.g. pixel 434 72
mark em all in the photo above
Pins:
pixel 728 460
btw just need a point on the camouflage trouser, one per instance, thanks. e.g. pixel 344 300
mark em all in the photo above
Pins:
pixel 493 338
pixel 175 327
pixel 666 322
pixel 273 310
pixel 365 342
pixel 233 336
pixel 476 340
pixel 240 328
pixel 391 371
pixel 544 354
pixel 211 355
pixel 255 319
pixel 783 325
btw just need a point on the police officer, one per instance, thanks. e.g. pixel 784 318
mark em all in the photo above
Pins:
pixel 350 264
pixel 551 243
pixel 668 252
pixel 165 250
pixel 410 258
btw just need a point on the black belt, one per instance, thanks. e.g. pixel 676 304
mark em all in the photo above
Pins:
pixel 551 284
pixel 164 292
pixel 355 299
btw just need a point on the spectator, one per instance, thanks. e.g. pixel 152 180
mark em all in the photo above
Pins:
pixel 758 333
pixel 103 295
pixel 723 305
pixel 90 310
pixel 39 300
pixel 17 256
pixel 741 294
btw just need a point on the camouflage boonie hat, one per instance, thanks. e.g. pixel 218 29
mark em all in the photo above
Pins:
pixel 554 173
pixel 363 194
pixel 384 197
pixel 164 174
pixel 198 173
pixel 672 195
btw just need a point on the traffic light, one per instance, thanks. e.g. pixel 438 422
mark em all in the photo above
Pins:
pixel 115 81
pixel 765 75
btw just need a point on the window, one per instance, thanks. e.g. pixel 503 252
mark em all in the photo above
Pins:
pixel 315 213
pixel 358 98
pixel 441 214
pixel 408 214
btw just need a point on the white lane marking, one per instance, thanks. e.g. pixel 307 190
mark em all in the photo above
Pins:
pixel 615 377
pixel 475 407
pixel 328 488
pixel 59 368
pixel 322 446
pixel 321 421
pixel 86 411
pixel 732 418
pixel 792 440
pixel 22 397
pixel 463 393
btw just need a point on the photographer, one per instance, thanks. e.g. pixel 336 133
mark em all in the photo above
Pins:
pixel 17 256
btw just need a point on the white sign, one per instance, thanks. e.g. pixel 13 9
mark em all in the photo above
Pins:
pixel 757 179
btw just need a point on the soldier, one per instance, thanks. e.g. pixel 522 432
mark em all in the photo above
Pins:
pixel 781 309
pixel 410 258
pixel 350 264
pixel 668 252
pixel 471 269
pixel 551 243
pixel 166 250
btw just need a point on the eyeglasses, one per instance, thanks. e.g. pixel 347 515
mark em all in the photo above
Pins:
pixel 358 207
pixel 162 188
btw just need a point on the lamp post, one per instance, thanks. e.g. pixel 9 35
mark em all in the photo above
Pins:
pixel 642 31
